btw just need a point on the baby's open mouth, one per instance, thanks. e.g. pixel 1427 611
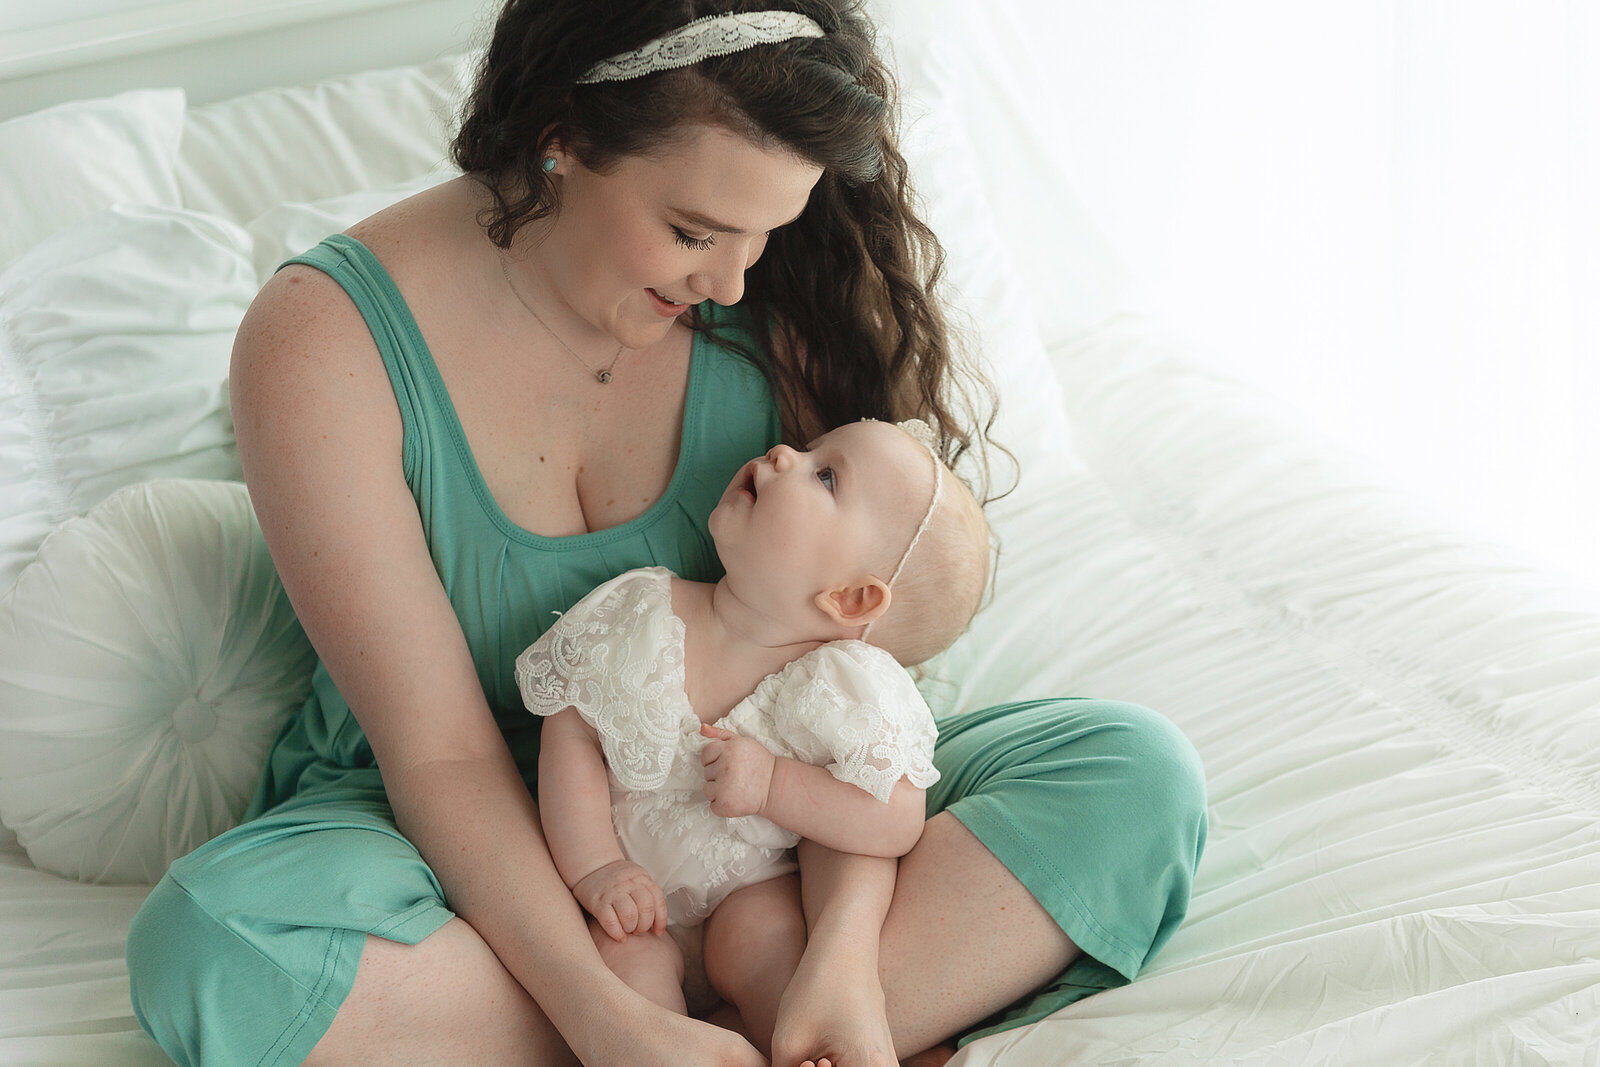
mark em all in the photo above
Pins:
pixel 748 482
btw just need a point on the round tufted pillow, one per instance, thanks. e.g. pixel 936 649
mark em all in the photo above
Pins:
pixel 148 658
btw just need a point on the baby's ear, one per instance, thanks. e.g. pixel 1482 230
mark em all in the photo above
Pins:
pixel 859 603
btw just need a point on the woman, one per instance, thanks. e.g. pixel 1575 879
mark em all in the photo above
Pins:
pixel 681 236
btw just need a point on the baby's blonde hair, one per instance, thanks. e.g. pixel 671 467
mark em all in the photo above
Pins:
pixel 942 584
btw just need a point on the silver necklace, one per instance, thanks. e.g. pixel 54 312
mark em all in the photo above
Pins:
pixel 603 375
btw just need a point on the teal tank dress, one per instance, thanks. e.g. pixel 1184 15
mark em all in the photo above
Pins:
pixel 245 950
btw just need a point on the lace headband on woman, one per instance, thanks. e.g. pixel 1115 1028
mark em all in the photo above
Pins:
pixel 713 35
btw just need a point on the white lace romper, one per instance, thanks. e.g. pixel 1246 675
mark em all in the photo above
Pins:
pixel 617 656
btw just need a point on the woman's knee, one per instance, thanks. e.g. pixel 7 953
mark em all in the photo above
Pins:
pixel 1160 762
pixel 1107 789
pixel 168 967
pixel 1097 806
pixel 445 999
pixel 1156 770
pixel 1047 751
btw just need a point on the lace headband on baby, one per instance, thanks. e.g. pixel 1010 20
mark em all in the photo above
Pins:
pixel 713 35
pixel 925 436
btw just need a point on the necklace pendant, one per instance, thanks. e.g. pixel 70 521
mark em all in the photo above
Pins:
pixel 603 377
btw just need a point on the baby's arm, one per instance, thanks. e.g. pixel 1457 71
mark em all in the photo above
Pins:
pixel 744 778
pixel 575 809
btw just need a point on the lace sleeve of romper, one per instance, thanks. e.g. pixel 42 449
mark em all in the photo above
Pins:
pixel 617 656
pixel 850 707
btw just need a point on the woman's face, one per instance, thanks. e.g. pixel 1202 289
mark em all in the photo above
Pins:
pixel 630 249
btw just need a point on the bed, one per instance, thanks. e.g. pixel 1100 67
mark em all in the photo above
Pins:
pixel 1400 727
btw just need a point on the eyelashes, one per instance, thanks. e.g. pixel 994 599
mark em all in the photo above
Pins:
pixel 698 244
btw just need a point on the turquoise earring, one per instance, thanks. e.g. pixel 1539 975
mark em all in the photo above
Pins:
pixel 549 164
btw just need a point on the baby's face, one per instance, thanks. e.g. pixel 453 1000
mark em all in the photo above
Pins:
pixel 795 523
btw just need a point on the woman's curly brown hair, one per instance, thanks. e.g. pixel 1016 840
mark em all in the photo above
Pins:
pixel 844 297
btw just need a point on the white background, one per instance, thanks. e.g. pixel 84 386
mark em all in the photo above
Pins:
pixel 1382 212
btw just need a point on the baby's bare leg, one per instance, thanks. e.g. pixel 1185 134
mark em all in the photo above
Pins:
pixel 651 965
pixel 753 943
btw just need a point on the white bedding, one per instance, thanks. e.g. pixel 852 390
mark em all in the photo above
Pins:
pixel 1400 730
pixel 1399 733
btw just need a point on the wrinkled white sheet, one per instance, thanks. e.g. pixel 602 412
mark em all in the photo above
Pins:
pixel 1400 732
pixel 63 984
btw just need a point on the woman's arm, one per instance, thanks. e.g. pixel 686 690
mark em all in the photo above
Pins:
pixel 744 778
pixel 319 438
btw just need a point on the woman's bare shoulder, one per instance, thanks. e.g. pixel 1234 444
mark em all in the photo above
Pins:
pixel 426 234
pixel 301 329
pixel 305 368
pixel 304 325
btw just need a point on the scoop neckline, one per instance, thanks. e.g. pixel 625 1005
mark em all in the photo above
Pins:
pixel 687 435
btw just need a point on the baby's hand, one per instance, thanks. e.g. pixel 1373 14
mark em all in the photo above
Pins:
pixel 623 899
pixel 738 772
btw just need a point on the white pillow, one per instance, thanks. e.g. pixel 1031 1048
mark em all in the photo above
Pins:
pixel 980 283
pixel 371 130
pixel 148 658
pixel 115 336
pixel 289 229
pixel 64 163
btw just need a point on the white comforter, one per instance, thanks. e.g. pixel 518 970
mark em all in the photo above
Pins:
pixel 1400 735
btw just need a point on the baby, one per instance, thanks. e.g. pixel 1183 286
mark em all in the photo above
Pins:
pixel 736 718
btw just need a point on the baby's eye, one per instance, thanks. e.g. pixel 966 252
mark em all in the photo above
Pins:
pixel 825 476
pixel 699 244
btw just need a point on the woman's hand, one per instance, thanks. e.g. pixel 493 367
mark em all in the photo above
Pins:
pixel 738 772
pixel 623 899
